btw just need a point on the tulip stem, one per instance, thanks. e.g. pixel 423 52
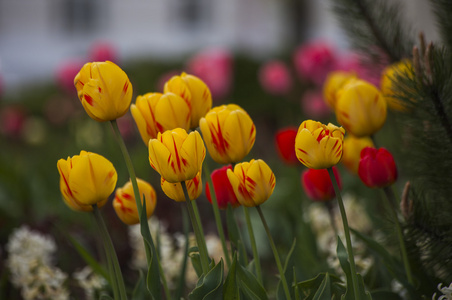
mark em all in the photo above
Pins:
pixel 275 253
pixel 199 239
pixel 257 262
pixel 346 232
pixel 115 270
pixel 216 213
pixel 145 231
pixel 391 202
pixel 330 208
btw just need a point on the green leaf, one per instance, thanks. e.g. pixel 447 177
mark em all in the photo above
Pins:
pixel 310 287
pixel 249 284
pixel 279 290
pixel 153 276
pixel 88 258
pixel 230 287
pixel 105 297
pixel 345 264
pixel 234 236
pixel 193 252
pixel 181 281
pixel 139 291
pixel 324 291
pixel 393 265
pixel 209 286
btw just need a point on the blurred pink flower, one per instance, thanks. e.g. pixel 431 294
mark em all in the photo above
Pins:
pixel 275 78
pixel 65 74
pixel 313 105
pixel 354 62
pixel 12 119
pixel 126 126
pixel 214 67
pixel 314 60
pixel 102 51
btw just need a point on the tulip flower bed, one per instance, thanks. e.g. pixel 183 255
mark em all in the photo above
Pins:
pixel 263 181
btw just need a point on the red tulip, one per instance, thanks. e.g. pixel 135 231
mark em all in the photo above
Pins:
pixel 223 189
pixel 317 184
pixel 377 167
pixel 285 143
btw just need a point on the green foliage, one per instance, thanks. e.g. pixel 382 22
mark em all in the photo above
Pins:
pixel 376 28
pixel 443 11
pixel 209 286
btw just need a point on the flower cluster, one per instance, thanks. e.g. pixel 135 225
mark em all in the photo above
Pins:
pixel 30 261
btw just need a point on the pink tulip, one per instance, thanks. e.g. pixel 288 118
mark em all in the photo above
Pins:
pixel 102 51
pixel 314 106
pixel 275 78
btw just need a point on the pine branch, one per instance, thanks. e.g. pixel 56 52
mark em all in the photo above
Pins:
pixel 375 26
pixel 443 12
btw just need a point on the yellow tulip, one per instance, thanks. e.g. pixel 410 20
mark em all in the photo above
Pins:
pixel 126 206
pixel 253 182
pixel 360 108
pixel 176 155
pixel 156 112
pixel 319 146
pixel 352 151
pixel 174 190
pixel 333 83
pixel 104 90
pixel 86 179
pixel 229 133
pixel 388 83
pixel 194 91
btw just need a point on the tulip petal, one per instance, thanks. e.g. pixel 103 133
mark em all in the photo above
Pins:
pixel 192 154
pixel 240 135
pixel 171 112
pixel 260 181
pixel 159 156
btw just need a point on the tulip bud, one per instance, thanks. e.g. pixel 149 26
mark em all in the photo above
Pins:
pixel 319 146
pixel 176 155
pixel 352 151
pixel 360 108
pixel 195 92
pixel 229 133
pixel 125 204
pixel 285 144
pixel 156 112
pixel 253 182
pixel 333 83
pixel 317 184
pixel 224 192
pixel 86 179
pixel 377 168
pixel 104 90
pixel 174 190
pixel 388 83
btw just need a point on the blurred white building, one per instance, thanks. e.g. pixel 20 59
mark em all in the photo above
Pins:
pixel 37 35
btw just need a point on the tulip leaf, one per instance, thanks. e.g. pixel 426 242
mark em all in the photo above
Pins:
pixel 105 297
pixel 310 287
pixel 385 295
pixel 153 276
pixel 181 281
pixel 209 286
pixel 324 291
pixel 235 237
pixel 345 264
pixel 392 264
pixel 230 287
pixel 193 252
pixel 249 284
pixel 279 290
pixel 139 291
pixel 89 259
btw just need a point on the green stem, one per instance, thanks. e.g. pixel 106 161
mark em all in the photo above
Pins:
pixel 257 262
pixel 216 213
pixel 346 233
pixel 330 208
pixel 111 256
pixel 391 201
pixel 275 253
pixel 199 239
pixel 145 231
pixel 198 220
